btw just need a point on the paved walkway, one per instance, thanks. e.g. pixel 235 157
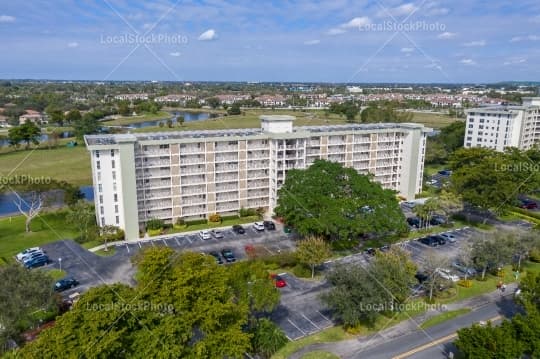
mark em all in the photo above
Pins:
pixel 346 348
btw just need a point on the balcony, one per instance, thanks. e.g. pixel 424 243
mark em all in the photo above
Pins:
pixel 153 184
pixel 221 147
pixel 227 207
pixel 193 200
pixel 152 163
pixel 226 168
pixel 152 153
pixel 145 214
pixel 257 174
pixel 258 203
pixel 257 194
pixel 226 187
pixel 192 170
pixel 153 194
pixel 153 173
pixel 191 149
pixel 258 164
pixel 193 210
pixel 258 184
pixel 226 158
pixel 157 204
pixel 192 190
pixel 192 180
pixel 192 160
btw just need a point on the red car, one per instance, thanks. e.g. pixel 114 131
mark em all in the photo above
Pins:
pixel 529 205
pixel 278 281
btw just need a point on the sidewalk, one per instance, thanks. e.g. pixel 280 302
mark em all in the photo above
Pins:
pixel 345 347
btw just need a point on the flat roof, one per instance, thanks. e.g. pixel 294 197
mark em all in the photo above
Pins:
pixel 277 118
pixel 112 139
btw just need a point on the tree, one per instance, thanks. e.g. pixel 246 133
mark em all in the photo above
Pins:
pixel 124 108
pixel 492 252
pixel 180 120
pixel 73 116
pixel 82 215
pixel 55 115
pixel 489 342
pixel 87 125
pixel 169 123
pixel 395 270
pixel 433 262
pixel 355 296
pixel 23 293
pixel 213 102
pixel 234 109
pixel 330 200
pixel 427 210
pixel 110 233
pixel 313 251
pixel 27 132
pixel 30 202
pixel 268 338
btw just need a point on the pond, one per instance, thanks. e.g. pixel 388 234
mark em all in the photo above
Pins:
pixel 188 117
pixel 43 138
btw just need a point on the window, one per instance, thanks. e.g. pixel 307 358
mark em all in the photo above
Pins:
pixel 471 126
pixel 114 186
pixel 98 165
pixel 96 154
pixel 115 208
pixel 101 198
pixel 115 197
pixel 99 176
pixel 100 188
pixel 102 221
pixel 112 164
pixel 117 220
pixel 163 147
pixel 112 153
pixel 102 210
pixel 114 175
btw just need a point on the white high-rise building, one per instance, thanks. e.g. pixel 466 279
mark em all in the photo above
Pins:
pixel 498 127
pixel 193 174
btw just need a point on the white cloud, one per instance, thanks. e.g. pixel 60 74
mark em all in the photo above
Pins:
pixel 7 18
pixel 208 35
pixel 446 35
pixel 433 9
pixel 174 54
pixel 516 39
pixel 312 42
pixel 407 49
pixel 335 31
pixel 402 10
pixel 433 65
pixel 533 37
pixel 515 61
pixel 357 22
pixel 478 43
pixel 469 62
pixel 73 44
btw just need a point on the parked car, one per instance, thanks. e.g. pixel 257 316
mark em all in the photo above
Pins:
pixel 437 220
pixel 385 248
pixel 464 269
pixel 269 225
pixel 228 255
pixel 417 290
pixel 421 277
pixel 408 204
pixel 217 257
pixel 445 172
pixel 279 282
pixel 32 256
pixel 528 204
pixel 37 262
pixel 65 283
pixel 217 233
pixel 440 239
pixel 446 274
pixel 238 229
pixel 429 241
pixel 414 222
pixel 432 182
pixel 24 254
pixel 258 226
pixel 370 251
pixel 449 237
pixel 205 235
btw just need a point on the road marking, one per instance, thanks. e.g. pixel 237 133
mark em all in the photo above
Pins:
pixel 189 240
pixel 322 315
pixel 127 247
pixel 436 342
pixel 309 320
pixel 164 242
pixel 139 243
pixel 294 325
pixel 152 243
pixel 176 239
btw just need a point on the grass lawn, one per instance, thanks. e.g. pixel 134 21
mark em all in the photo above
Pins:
pixel 106 253
pixel 441 318
pixel 209 225
pixel 430 170
pixel 61 163
pixel 334 334
pixel 434 120
pixel 48 227
pixel 91 244
pixel 319 355
pixel 56 274
pixel 140 118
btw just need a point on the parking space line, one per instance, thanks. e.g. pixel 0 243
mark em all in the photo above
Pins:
pixel 294 325
pixel 176 239
pixel 164 242
pixel 322 315
pixel 152 243
pixel 189 240
pixel 127 247
pixel 139 243
pixel 309 320
pixel 269 251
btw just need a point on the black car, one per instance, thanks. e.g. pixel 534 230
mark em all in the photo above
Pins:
pixel 437 220
pixel 440 239
pixel 217 257
pixel 238 229
pixel 228 255
pixel 421 277
pixel 414 222
pixel 269 225
pixel 64 284
pixel 429 241
pixel 445 172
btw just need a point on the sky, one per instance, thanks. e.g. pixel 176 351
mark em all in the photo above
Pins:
pixel 351 41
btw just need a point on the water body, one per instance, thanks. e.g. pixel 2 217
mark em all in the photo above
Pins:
pixel 8 207
pixel 188 117
pixel 43 138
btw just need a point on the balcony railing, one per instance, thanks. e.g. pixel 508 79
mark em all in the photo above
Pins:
pixel 192 149
pixel 226 168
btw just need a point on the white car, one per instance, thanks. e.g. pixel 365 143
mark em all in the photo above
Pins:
pixel 446 274
pixel 217 233
pixel 205 235
pixel 259 226
pixel 449 237
pixel 21 257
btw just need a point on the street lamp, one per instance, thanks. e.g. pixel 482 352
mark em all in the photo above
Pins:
pixel 60 263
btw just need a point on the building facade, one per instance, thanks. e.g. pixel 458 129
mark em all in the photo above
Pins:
pixel 193 174
pixel 498 127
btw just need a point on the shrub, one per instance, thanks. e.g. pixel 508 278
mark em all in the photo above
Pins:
pixel 301 271
pixel 180 221
pixel 154 224
pixel 246 212
pixel 228 218
pixel 465 283
pixel 195 222
pixel 534 255
pixel 215 217
pixel 344 244
pixel 285 259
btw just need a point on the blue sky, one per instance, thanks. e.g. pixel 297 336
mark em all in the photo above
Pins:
pixel 247 40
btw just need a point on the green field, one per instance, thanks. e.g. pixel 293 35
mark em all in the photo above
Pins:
pixel 319 355
pixel 443 317
pixel 334 334
pixel 61 163
pixel 140 118
pixel 46 228
pixel 434 120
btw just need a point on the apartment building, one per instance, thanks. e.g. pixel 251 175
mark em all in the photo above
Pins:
pixel 192 174
pixel 498 127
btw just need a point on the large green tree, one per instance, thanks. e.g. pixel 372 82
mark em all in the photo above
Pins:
pixel 27 133
pixel 492 250
pixel 489 342
pixel 337 202
pixel 395 270
pixel 313 251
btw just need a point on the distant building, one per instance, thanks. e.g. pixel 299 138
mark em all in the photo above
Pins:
pixel 33 116
pixel 175 98
pixel 498 127
pixel 131 96
pixel 193 174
